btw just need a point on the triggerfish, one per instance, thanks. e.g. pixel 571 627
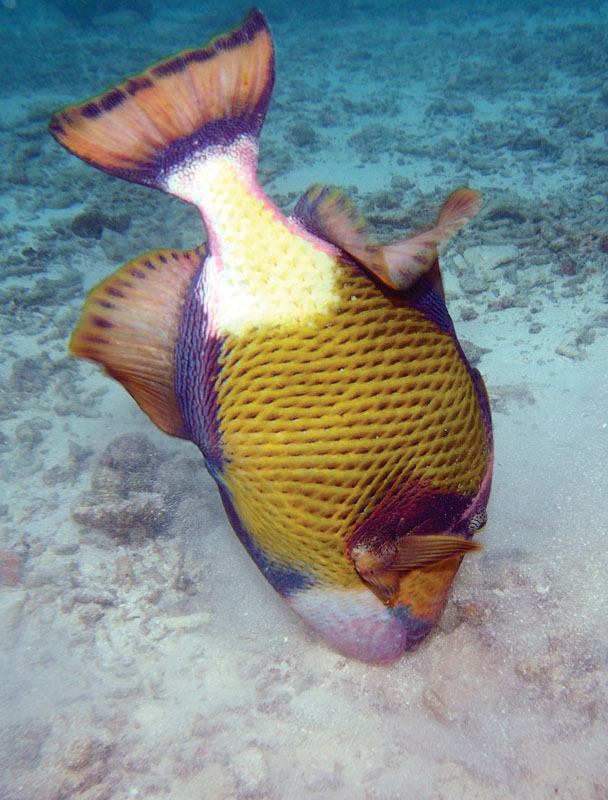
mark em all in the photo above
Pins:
pixel 316 368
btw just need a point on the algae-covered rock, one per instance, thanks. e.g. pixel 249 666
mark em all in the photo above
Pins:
pixel 138 516
pixel 123 500
pixel 134 459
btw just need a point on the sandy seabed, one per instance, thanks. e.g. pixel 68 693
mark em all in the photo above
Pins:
pixel 142 655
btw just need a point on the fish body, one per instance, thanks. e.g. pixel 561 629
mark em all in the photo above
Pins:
pixel 317 370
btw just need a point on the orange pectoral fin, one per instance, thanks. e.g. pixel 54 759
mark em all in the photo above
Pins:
pixel 384 572
pixel 414 552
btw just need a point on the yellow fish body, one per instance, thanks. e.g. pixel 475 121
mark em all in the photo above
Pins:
pixel 317 370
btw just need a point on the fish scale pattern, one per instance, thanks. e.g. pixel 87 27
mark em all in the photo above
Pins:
pixel 320 421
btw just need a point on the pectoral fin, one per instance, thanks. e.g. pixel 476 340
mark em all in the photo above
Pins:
pixel 383 570
pixel 414 552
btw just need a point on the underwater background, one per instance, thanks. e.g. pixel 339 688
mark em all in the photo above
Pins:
pixel 142 654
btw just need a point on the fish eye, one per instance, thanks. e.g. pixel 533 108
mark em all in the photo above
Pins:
pixel 478 521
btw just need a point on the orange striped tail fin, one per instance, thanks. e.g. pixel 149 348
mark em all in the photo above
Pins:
pixel 155 123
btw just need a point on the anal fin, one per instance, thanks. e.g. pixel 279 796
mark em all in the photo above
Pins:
pixel 130 323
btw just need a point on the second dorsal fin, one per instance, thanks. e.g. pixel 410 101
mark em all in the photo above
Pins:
pixel 330 214
pixel 130 323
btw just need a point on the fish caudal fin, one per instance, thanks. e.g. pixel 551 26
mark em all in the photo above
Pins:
pixel 152 124
pixel 382 570
pixel 130 324
pixel 330 214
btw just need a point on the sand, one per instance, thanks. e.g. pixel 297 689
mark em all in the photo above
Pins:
pixel 143 655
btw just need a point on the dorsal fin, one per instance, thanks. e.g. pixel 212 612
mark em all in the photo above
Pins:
pixel 130 323
pixel 146 127
pixel 330 214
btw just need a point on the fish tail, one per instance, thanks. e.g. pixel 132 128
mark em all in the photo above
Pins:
pixel 160 122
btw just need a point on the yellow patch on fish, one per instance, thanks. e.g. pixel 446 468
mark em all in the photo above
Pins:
pixel 256 267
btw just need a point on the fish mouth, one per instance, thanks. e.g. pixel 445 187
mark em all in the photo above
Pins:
pixel 358 624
